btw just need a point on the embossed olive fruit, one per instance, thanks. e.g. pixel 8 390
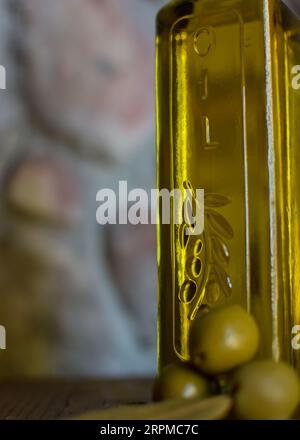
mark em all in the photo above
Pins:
pixel 223 339
pixel 180 381
pixel 265 390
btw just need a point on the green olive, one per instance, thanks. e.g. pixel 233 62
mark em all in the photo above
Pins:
pixel 223 339
pixel 266 390
pixel 180 381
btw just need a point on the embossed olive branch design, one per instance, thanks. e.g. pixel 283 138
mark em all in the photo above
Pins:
pixel 219 231
pixel 207 256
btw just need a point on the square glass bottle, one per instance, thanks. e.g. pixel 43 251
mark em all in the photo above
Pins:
pixel 228 91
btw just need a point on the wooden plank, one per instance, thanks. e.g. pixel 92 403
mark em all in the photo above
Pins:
pixel 50 400
pixel 44 400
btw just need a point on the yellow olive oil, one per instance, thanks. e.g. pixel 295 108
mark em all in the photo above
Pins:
pixel 228 122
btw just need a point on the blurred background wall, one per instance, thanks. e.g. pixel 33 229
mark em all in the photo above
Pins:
pixel 76 298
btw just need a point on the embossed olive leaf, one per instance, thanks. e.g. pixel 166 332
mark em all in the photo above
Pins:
pixel 188 186
pixel 193 267
pixel 189 212
pixel 223 279
pixel 198 247
pixel 220 249
pixel 183 236
pixel 215 200
pixel 213 292
pixel 188 291
pixel 206 257
pixel 219 224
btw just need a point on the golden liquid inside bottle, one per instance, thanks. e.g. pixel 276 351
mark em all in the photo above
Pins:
pixel 227 122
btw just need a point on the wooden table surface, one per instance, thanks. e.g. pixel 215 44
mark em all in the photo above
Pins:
pixel 43 400
pixel 50 400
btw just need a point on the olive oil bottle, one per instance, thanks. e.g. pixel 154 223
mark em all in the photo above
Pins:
pixel 228 122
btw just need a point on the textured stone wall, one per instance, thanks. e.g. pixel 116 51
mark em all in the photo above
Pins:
pixel 78 115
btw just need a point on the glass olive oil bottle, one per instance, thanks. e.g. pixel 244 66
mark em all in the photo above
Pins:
pixel 228 122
